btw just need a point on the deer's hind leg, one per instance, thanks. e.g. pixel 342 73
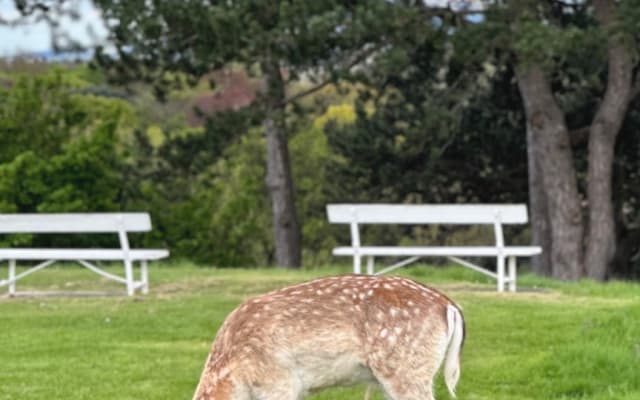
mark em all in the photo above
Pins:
pixel 407 378
pixel 278 394
pixel 408 391
pixel 280 386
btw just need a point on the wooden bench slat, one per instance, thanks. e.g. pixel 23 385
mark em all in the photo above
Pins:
pixel 469 251
pixel 415 214
pixel 74 222
pixel 81 254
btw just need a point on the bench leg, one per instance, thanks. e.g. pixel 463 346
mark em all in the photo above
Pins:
pixel 144 276
pixel 356 264
pixel 12 277
pixel 370 265
pixel 500 273
pixel 128 274
pixel 512 273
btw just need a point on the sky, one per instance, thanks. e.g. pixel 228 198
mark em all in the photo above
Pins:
pixel 37 37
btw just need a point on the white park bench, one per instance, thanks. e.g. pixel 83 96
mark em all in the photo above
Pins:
pixel 460 214
pixel 80 223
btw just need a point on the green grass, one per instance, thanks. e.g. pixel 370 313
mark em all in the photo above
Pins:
pixel 551 341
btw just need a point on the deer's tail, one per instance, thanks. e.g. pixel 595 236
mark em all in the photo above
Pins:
pixel 456 334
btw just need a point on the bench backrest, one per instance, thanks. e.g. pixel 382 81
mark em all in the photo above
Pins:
pixel 75 223
pixel 427 213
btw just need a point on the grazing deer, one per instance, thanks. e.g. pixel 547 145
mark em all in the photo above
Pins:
pixel 336 331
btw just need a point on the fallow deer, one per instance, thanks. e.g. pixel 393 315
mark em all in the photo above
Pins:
pixel 336 331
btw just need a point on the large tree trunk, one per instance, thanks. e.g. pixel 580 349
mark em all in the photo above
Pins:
pixel 553 152
pixel 601 238
pixel 286 231
pixel 540 226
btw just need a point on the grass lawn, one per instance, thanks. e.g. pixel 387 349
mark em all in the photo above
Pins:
pixel 550 341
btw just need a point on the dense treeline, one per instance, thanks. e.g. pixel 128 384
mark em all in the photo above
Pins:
pixel 341 101
pixel 72 143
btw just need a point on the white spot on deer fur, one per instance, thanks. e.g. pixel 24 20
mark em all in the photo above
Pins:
pixel 223 372
pixel 392 339
pixel 383 333
pixel 319 292
pixel 397 330
pixel 346 291
pixel 380 316
pixel 362 296
pixel 296 292
pixel 416 311
pixel 410 303
pixel 369 292
pixel 393 312
pixel 386 286
pixel 307 301
pixel 405 313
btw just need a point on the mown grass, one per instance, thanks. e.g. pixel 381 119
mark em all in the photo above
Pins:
pixel 550 341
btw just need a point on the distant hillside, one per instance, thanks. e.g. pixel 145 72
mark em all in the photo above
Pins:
pixel 50 56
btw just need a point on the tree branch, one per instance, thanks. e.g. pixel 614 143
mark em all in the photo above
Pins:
pixel 355 61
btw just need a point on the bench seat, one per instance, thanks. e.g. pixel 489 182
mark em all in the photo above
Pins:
pixel 81 254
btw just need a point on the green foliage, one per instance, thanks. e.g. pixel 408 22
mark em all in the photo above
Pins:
pixel 204 188
pixel 223 218
pixel 239 205
pixel 194 37
pixel 61 149
pixel 313 162
pixel 34 114
pixel 61 183
pixel 436 133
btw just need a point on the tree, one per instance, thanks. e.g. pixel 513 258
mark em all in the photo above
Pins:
pixel 580 248
pixel 563 51
pixel 572 61
pixel 285 41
